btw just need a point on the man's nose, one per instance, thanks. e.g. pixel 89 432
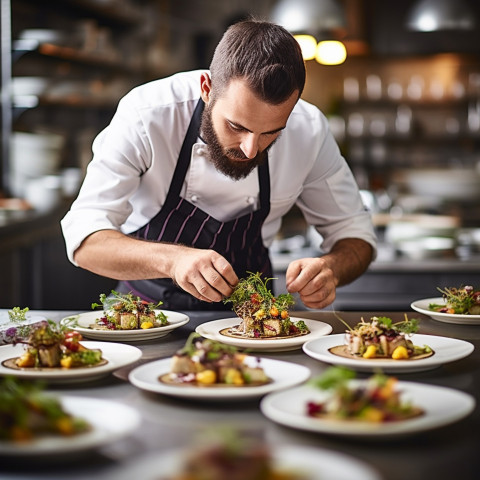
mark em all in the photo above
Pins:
pixel 249 145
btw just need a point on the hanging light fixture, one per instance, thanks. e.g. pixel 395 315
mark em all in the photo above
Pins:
pixel 310 20
pixel 433 15
pixel 301 16
pixel 330 52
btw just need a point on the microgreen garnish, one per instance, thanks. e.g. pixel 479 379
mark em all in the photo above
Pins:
pixel 17 314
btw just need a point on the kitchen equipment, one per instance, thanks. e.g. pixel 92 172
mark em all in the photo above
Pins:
pixel 34 155
pixel 445 183
pixel 427 247
pixel 43 193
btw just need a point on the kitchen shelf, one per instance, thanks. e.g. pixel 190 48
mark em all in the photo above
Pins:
pixel 114 13
pixel 70 54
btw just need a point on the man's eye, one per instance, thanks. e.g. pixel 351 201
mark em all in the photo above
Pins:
pixel 235 128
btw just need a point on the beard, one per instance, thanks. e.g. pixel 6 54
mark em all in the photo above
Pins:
pixel 229 161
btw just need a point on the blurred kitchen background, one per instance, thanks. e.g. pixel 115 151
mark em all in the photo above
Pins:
pixel 403 103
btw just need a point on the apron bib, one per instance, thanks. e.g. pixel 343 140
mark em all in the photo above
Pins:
pixel 179 221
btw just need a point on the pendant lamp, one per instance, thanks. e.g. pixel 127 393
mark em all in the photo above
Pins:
pixel 309 16
pixel 435 15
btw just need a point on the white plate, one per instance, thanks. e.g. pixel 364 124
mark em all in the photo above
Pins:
pixel 104 417
pixel 283 375
pixel 446 350
pixel 441 406
pixel 421 306
pixel 6 323
pixel 117 355
pixel 212 329
pixel 84 320
pixel 314 463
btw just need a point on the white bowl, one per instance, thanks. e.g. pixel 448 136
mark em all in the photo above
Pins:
pixel 448 183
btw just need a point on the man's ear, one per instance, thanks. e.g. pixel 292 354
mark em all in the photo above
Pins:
pixel 205 87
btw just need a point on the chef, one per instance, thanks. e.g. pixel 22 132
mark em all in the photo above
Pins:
pixel 189 182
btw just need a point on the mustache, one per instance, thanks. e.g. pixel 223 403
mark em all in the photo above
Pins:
pixel 235 154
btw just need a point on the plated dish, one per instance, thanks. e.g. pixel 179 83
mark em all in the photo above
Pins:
pixel 102 415
pixel 116 355
pixel 262 314
pixel 376 400
pixel 282 375
pixel 445 350
pixel 288 408
pixel 6 324
pixel 83 321
pixel 421 306
pixel 214 329
pixel 314 463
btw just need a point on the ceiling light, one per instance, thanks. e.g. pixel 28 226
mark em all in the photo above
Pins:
pixel 433 15
pixel 309 16
pixel 331 52
pixel 308 44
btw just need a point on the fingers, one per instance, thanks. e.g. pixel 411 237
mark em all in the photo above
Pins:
pixel 313 281
pixel 301 273
pixel 205 274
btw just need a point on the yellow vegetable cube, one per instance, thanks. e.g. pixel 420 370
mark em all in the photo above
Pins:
pixel 370 352
pixel 65 426
pixel 400 353
pixel 207 377
pixel 234 377
pixel 27 360
pixel 259 314
pixel 372 414
pixel 146 325
pixel 66 362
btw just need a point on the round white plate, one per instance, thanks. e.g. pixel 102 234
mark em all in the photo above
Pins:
pixel 313 463
pixel 421 306
pixel 446 350
pixel 6 323
pixel 82 322
pixel 117 355
pixel 212 329
pixel 283 375
pixel 103 416
pixel 441 406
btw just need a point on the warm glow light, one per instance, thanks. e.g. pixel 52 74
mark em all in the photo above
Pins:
pixel 331 52
pixel 308 44
pixel 427 23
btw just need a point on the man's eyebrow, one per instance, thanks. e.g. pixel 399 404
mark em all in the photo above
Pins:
pixel 237 125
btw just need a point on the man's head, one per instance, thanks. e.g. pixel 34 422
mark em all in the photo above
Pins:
pixel 257 76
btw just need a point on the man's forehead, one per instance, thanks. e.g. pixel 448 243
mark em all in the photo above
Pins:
pixel 239 104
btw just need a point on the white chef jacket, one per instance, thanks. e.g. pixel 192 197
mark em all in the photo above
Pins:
pixel 135 156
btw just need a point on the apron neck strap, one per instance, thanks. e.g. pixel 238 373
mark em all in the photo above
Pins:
pixel 186 154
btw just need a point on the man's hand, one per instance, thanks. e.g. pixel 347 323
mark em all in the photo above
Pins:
pixel 205 274
pixel 314 280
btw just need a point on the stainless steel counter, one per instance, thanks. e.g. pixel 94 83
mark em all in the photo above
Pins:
pixel 449 452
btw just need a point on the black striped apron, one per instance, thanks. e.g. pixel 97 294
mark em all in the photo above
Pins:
pixel 179 221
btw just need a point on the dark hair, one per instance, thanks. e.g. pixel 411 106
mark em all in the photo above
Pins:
pixel 265 55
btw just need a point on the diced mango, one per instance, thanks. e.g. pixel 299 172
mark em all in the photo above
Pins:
pixel 207 377
pixel 25 361
pixel 400 353
pixel 146 325
pixel 66 362
pixel 370 352
pixel 234 377
pixel 372 414
pixel 65 426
